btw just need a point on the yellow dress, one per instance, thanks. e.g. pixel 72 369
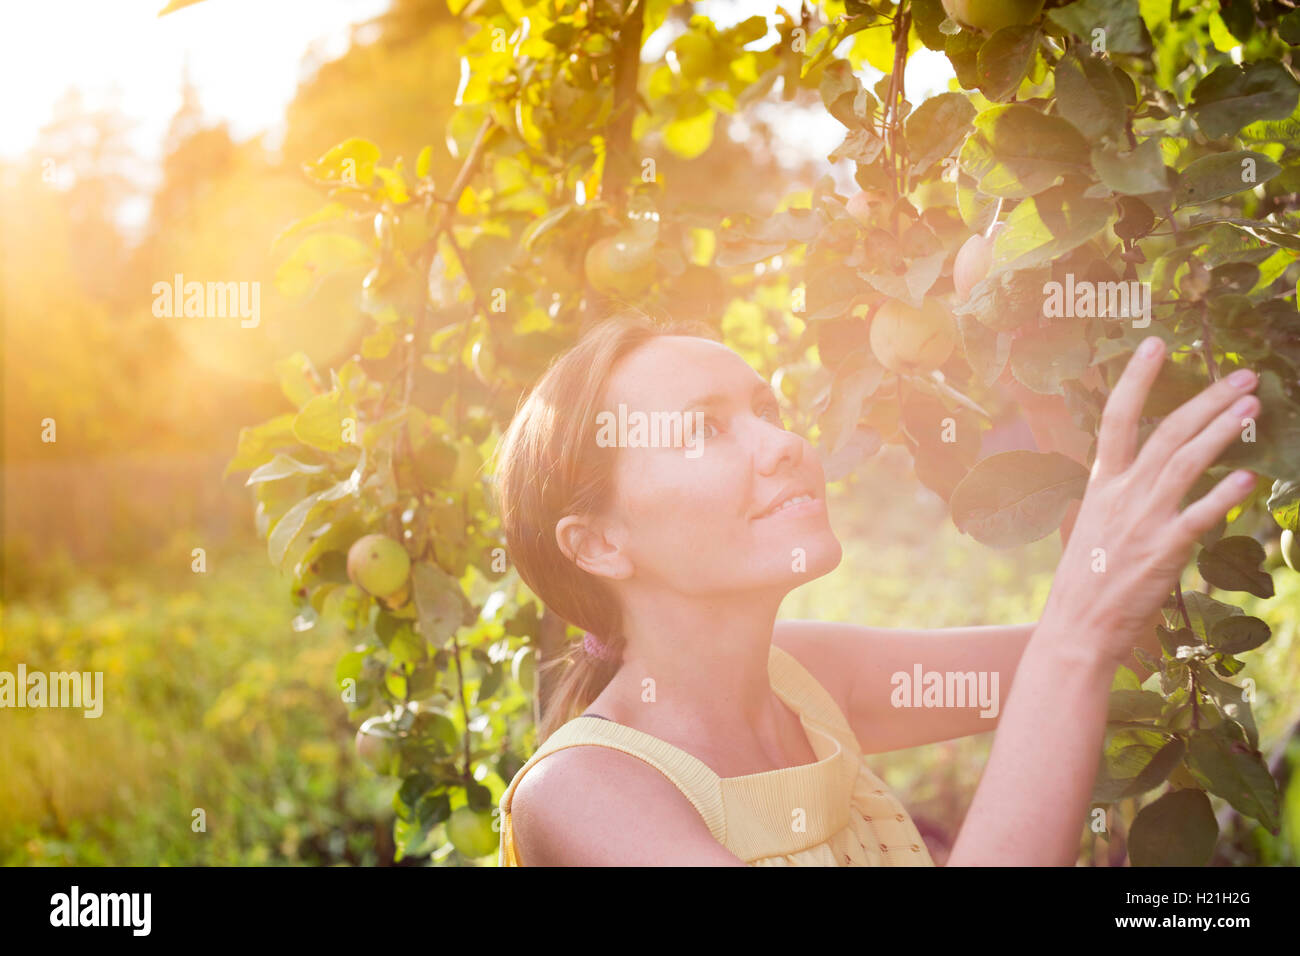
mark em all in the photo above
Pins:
pixel 834 812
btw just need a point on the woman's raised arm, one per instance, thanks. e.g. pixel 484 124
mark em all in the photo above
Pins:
pixel 1033 795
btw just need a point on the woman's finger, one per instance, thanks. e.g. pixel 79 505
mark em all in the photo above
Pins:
pixel 1191 418
pixel 1188 463
pixel 1205 512
pixel 1117 437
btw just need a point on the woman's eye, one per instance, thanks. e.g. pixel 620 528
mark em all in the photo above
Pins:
pixel 708 428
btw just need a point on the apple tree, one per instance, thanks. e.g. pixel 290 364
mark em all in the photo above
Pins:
pixel 1098 171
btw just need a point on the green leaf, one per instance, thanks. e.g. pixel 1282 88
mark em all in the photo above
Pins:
pixel 1223 174
pixel 1016 497
pixel 1224 763
pixel 1239 18
pixel 689 135
pixel 282 466
pixel 860 146
pixel 1179 829
pixel 1132 172
pixel 1233 564
pixel 351 162
pixel 936 127
pixel 1157 769
pixel 1232 702
pixel 1047 355
pixel 830 286
pixel 926 17
pixel 259 443
pixel 300 518
pixel 1127 704
pixel 1204 612
pixel 1288 27
pixel 1006 300
pixel 1089 97
pixel 440 603
pixel 1126 767
pixel 849 391
pixel 962 49
pixel 1125 679
pixel 1004 60
pixel 1284 504
pixel 320 423
pixel 844 96
pixel 1119 20
pixel 394 185
pixel 1015 151
pixel 298 379
pixel 1275 450
pixel 317 256
pixel 488 686
pixel 1043 228
pixel 1239 633
pixel 327 214
pixel 1237 94
pixel 986 350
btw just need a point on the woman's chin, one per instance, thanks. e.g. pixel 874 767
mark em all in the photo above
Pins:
pixel 816 559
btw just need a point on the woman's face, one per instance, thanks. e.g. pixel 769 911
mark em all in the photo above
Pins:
pixel 699 517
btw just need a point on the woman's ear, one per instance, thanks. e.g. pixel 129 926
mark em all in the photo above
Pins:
pixel 591 548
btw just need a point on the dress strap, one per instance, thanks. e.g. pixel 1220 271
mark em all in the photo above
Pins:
pixel 807 697
pixel 699 784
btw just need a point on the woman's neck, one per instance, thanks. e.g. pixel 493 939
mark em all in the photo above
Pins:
pixel 691 664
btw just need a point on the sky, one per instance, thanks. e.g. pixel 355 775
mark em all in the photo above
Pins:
pixel 246 57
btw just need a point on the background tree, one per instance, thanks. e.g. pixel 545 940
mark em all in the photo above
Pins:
pixel 1084 145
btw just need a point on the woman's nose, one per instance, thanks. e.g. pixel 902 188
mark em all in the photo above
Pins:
pixel 777 447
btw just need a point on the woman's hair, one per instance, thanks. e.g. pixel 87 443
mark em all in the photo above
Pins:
pixel 549 465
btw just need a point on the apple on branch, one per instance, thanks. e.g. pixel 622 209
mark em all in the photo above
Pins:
pixel 380 566
pixel 1291 549
pixel 908 339
pixel 621 264
pixel 993 15
pixel 974 260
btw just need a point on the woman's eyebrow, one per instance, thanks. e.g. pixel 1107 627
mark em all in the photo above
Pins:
pixel 761 388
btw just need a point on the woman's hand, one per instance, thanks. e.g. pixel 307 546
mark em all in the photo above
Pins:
pixel 1130 542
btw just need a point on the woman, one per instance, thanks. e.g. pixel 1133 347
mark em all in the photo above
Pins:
pixel 693 728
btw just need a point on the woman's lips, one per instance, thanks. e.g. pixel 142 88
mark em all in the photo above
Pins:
pixel 812 506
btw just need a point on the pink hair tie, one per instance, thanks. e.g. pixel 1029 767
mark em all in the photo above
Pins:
pixel 597 648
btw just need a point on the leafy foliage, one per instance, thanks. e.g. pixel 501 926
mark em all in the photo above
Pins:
pixel 1119 147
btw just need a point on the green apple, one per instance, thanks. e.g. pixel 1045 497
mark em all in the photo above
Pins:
pixel 524 668
pixel 378 565
pixel 471 833
pixel 973 262
pixel 484 362
pixel 993 15
pixel 1291 549
pixel 377 745
pixel 621 264
pixel 906 338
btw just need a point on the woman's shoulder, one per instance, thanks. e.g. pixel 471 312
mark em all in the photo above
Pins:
pixel 572 808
